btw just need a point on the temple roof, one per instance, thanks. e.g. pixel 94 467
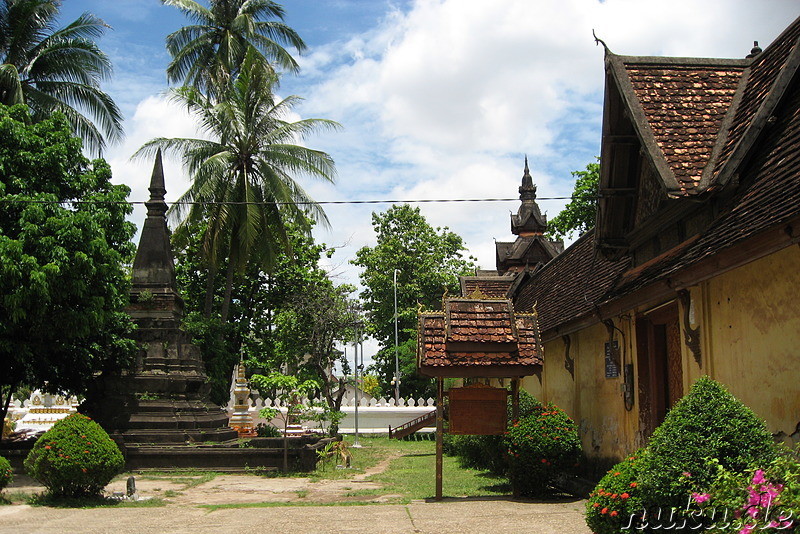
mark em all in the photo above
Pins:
pixel 489 283
pixel 478 338
pixel 528 220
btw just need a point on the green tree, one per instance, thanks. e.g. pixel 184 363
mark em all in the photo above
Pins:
pixel 289 318
pixel 209 53
pixel 291 391
pixel 243 178
pixel 51 69
pixel 579 214
pixel 64 242
pixel 428 262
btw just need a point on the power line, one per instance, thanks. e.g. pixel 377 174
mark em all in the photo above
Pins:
pixel 252 203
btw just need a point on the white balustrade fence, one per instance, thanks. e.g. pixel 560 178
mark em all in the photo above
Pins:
pixel 374 415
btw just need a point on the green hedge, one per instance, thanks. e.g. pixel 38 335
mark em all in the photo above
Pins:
pixel 74 458
pixel 541 446
pixel 6 476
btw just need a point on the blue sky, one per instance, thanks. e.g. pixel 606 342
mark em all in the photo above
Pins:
pixel 438 98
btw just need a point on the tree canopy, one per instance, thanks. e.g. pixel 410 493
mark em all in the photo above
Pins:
pixel 287 319
pixel 64 244
pixel 428 262
pixel 57 69
pixel 243 178
pixel 579 214
pixel 209 53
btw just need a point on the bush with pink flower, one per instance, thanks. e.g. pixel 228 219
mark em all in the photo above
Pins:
pixel 758 500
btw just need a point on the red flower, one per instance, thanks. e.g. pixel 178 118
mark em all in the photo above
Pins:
pixel 624 496
pixel 604 510
pixel 617 474
pixel 614 496
pixel 544 460
pixel 48 447
pixel 613 513
pixel 595 505
pixel 634 484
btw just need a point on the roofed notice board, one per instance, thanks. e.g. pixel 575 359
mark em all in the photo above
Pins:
pixel 478 410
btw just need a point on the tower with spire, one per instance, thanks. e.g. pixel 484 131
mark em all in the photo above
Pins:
pixel 531 249
pixel 164 398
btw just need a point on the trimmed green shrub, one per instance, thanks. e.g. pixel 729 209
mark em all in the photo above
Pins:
pixel 616 501
pixel 708 422
pixel 6 476
pixel 540 446
pixel 74 458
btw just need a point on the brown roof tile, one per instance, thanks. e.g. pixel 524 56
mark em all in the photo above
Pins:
pixel 760 80
pixel 684 105
pixel 472 333
pixel 569 287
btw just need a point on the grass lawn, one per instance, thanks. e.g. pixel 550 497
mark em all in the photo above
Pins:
pixel 404 470
pixel 412 473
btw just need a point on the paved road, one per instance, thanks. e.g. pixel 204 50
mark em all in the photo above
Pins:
pixel 487 516
pixel 296 505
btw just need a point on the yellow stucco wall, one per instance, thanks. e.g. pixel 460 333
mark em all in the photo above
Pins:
pixel 751 321
pixel 592 400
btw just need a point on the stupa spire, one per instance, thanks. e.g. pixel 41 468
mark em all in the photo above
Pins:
pixel 153 266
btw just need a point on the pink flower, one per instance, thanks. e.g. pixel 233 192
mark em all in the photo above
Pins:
pixel 747 529
pixel 758 477
pixel 700 498
pixel 686 474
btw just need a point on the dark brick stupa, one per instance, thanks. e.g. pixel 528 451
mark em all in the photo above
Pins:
pixel 164 398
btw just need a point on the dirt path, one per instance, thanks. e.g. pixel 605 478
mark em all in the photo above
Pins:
pixel 240 489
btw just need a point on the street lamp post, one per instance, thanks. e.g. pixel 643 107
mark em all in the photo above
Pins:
pixel 355 377
pixel 396 380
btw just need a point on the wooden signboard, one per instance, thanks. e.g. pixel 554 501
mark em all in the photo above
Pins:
pixel 478 410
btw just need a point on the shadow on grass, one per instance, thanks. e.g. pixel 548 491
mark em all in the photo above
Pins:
pixel 92 501
pixel 555 498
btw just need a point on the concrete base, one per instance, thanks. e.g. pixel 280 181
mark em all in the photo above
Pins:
pixel 230 457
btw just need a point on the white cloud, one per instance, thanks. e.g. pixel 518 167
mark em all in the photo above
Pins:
pixel 155 117
pixel 443 101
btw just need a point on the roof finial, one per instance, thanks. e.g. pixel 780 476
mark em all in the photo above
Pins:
pixel 527 191
pixel 598 41
pixel 754 51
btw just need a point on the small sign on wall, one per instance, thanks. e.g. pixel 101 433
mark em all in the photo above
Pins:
pixel 612 359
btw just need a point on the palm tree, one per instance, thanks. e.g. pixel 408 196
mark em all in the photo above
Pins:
pixel 51 69
pixel 209 53
pixel 243 180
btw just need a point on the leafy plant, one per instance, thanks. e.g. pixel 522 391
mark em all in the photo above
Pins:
pixel 75 458
pixel 291 391
pixel 540 446
pixel 758 500
pixel 267 431
pixel 580 213
pixel 615 504
pixel 6 476
pixel 708 422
